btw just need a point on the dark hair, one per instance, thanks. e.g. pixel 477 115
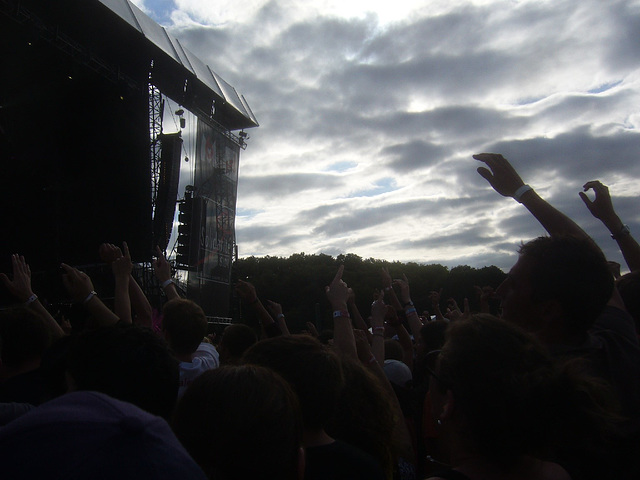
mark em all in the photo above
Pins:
pixel 572 271
pixel 365 418
pixel 129 363
pixel 240 422
pixel 236 339
pixel 514 397
pixel 185 323
pixel 24 336
pixel 313 371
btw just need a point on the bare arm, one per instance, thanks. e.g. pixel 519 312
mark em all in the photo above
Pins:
pixel 409 309
pixel 20 287
pixel 378 312
pixel 80 288
pixel 276 311
pixel 602 208
pixel 343 338
pixel 248 293
pixel 507 182
pixel 122 268
pixel 109 253
pixel 162 269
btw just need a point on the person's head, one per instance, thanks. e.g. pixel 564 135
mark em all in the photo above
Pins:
pixel 557 288
pixel 128 363
pixel 240 422
pixel 24 337
pixel 236 339
pixel 184 325
pixel 503 395
pixel 84 435
pixel 365 418
pixel 314 372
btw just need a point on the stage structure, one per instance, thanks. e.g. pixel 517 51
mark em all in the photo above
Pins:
pixel 84 156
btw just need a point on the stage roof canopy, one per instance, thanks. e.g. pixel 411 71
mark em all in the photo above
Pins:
pixel 121 37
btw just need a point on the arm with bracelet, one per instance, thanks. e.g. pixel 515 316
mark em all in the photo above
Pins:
pixel 20 287
pixel 601 207
pixel 410 311
pixel 109 253
pixel 276 311
pixel 378 313
pixel 337 293
pixel 162 269
pixel 80 288
pixel 507 182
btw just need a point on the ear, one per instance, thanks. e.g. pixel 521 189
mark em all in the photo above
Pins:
pixel 448 407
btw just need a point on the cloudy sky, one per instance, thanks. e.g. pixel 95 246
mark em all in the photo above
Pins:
pixel 370 111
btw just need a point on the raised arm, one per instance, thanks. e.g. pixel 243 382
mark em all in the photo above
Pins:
pixel 337 294
pixel 276 312
pixel 20 287
pixel 162 269
pixel 80 289
pixel 122 268
pixel 507 182
pixel 601 207
pixel 248 293
pixel 410 310
pixel 378 313
pixel 109 253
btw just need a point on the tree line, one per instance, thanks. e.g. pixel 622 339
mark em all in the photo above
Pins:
pixel 297 283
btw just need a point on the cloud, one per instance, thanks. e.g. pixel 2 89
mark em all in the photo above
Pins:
pixel 369 117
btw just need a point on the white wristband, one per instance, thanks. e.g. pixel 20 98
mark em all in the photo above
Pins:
pixel 90 296
pixel 167 282
pixel 31 299
pixel 517 195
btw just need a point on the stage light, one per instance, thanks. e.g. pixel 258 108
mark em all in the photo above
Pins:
pixel 179 112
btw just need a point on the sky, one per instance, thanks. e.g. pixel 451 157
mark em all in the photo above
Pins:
pixel 370 112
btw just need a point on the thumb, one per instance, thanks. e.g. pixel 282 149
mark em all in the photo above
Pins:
pixel 486 174
pixel 585 199
pixel 5 279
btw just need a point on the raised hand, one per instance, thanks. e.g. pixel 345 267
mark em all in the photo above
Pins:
pixel 403 284
pixel 501 175
pixel 337 291
pixel 161 266
pixel 246 290
pixel 122 265
pixel 77 283
pixel 378 311
pixel 602 206
pixel 109 252
pixel 20 284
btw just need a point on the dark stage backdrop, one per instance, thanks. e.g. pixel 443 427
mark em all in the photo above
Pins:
pixel 74 151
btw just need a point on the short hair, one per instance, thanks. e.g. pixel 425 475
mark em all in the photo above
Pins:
pixel 573 271
pixel 129 363
pixel 237 338
pixel 24 336
pixel 314 372
pixel 514 396
pixel 185 323
pixel 241 422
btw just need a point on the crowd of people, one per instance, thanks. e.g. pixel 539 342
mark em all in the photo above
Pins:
pixel 549 388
